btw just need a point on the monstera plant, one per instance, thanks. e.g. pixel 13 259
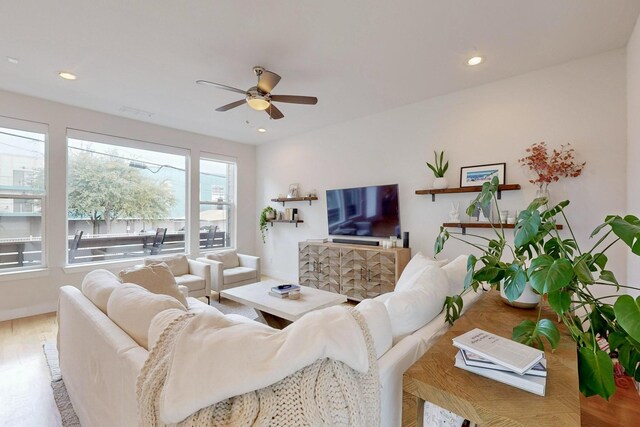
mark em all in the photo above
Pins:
pixel 564 274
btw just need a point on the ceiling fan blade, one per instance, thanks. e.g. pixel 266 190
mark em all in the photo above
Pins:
pixel 232 105
pixel 274 113
pixel 268 80
pixel 219 86
pixel 295 99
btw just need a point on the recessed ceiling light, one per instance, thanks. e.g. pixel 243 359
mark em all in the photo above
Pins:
pixel 262 130
pixel 475 60
pixel 67 76
pixel 12 59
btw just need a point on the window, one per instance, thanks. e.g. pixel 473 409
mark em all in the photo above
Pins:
pixel 217 203
pixel 125 199
pixel 22 193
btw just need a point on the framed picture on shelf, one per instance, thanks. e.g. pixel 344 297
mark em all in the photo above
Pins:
pixel 471 176
pixel 293 191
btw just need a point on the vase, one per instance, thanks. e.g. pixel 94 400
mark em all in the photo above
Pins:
pixel 542 193
pixel 440 183
pixel 528 299
pixel 271 215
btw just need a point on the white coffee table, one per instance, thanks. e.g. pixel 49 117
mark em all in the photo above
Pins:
pixel 280 312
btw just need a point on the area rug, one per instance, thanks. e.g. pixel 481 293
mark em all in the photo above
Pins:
pixel 67 414
pixel 231 307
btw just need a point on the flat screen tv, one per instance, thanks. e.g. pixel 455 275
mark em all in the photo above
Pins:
pixel 364 211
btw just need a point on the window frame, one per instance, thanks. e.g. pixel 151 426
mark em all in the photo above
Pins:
pixel 125 142
pixel 233 206
pixel 41 128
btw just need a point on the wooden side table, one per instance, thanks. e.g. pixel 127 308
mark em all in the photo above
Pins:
pixel 434 377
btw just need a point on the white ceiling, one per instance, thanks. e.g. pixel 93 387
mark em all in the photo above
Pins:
pixel 358 57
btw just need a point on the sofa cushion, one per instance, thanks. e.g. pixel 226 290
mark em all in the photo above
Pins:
pixel 456 271
pixel 377 318
pixel 228 258
pixel 159 323
pixel 411 309
pixel 132 308
pixel 156 278
pixel 178 264
pixel 239 274
pixel 417 264
pixel 98 285
pixel 191 281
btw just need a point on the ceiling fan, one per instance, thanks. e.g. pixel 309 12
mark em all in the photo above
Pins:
pixel 259 97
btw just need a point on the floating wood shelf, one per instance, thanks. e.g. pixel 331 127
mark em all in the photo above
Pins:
pixel 465 225
pixel 284 220
pixel 284 200
pixel 474 189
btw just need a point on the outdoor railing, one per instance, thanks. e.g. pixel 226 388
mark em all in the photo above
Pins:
pixel 27 251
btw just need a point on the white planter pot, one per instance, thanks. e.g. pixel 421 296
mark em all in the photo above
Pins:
pixel 440 183
pixel 528 299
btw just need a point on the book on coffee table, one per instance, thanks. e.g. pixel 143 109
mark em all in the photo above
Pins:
pixel 288 295
pixel 514 356
pixel 531 383
pixel 472 359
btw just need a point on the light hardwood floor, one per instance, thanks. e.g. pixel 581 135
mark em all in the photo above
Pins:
pixel 26 398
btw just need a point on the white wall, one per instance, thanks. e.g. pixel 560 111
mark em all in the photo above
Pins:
pixel 23 294
pixel 633 149
pixel 582 102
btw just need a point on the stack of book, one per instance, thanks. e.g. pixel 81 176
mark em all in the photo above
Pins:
pixel 502 360
pixel 289 291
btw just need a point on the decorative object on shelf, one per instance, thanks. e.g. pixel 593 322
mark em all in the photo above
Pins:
pixel 293 191
pixel 454 212
pixel 472 176
pixel 563 273
pixel 439 169
pixel 267 214
pixel 550 168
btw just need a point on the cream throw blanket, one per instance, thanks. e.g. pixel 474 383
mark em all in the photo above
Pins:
pixel 337 383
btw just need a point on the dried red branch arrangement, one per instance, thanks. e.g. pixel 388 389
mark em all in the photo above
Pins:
pixel 551 167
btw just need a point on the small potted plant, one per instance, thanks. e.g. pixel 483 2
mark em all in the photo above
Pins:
pixel 439 169
pixel 267 214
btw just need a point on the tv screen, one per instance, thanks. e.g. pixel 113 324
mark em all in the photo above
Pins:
pixel 364 211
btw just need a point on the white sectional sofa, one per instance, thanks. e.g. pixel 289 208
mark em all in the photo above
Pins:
pixel 100 362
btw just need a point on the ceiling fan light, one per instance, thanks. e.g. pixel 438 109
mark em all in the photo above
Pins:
pixel 258 103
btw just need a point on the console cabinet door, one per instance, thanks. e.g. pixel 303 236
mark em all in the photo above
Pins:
pixel 308 274
pixel 329 269
pixel 353 272
pixel 387 278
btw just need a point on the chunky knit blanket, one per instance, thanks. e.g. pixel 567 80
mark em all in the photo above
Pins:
pixel 325 393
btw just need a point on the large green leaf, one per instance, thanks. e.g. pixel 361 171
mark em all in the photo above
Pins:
pixel 628 315
pixel 599 228
pixel 596 373
pixel 514 282
pixel 548 275
pixel 581 268
pixel 550 213
pixel 443 236
pixel 526 227
pixel 628 229
pixel 608 276
pixel 530 333
pixel 468 278
pixel 560 301
pixel 453 308
pixel 629 358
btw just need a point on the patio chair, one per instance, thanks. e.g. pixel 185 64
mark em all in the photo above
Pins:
pixel 75 244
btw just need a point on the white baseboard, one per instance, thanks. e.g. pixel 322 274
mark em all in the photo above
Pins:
pixel 33 310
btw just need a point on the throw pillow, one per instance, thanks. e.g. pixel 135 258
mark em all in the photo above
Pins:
pixel 228 258
pixel 412 309
pixel 156 278
pixel 377 318
pixel 98 285
pixel 178 264
pixel 132 308
pixel 456 271
pixel 418 263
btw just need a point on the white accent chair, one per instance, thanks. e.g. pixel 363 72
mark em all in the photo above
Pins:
pixel 195 275
pixel 230 269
